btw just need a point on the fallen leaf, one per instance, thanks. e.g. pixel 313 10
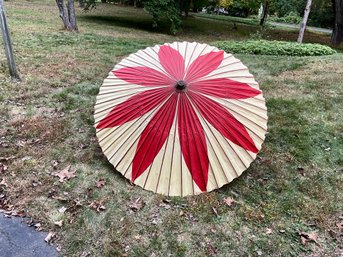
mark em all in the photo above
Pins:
pixel 136 205
pixel 65 174
pixel 269 231
pixel 5 159
pixel 3 183
pixel 211 250
pixel 305 237
pixel 239 235
pixel 49 237
pixel 19 213
pixel 97 205
pixel 36 183
pixel 303 240
pixel 100 183
pixel 78 202
pixel 137 237
pixel 85 254
pixel 3 168
pixel 62 209
pixel 60 198
pixel 26 158
pixel 38 226
pixel 58 248
pixel 229 201
pixel 215 211
pixel 59 223
pixel 155 221
pixel 83 146
pixel 54 164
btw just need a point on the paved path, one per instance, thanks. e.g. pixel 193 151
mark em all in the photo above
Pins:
pixel 19 240
pixel 295 26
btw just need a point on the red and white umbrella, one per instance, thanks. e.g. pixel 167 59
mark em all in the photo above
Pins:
pixel 181 118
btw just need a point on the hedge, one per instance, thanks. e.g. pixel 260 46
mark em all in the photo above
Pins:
pixel 265 47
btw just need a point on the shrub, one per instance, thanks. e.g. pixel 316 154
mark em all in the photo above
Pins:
pixel 265 47
pixel 291 17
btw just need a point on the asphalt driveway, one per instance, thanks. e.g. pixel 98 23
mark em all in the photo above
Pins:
pixel 19 240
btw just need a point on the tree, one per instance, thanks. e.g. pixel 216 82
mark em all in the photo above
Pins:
pixel 8 44
pixel 244 8
pixel 304 22
pixel 284 7
pixel 159 9
pixel 225 3
pixel 337 32
pixel 184 6
pixel 265 12
pixel 67 14
pixel 322 14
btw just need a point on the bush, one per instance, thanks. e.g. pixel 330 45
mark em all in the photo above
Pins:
pixel 265 47
pixel 291 17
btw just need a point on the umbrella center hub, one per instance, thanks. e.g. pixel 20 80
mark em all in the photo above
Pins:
pixel 180 85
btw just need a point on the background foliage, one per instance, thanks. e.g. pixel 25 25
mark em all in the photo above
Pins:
pixel 289 11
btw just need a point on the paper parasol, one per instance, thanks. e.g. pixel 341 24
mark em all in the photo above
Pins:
pixel 180 119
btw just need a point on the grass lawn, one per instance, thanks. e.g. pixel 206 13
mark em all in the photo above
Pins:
pixel 288 203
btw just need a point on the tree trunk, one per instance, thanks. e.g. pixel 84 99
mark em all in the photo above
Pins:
pixel 304 22
pixel 265 13
pixel 184 6
pixel 67 14
pixel 8 44
pixel 71 13
pixel 337 32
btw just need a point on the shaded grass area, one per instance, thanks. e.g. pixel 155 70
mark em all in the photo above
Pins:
pixel 295 185
pixel 240 20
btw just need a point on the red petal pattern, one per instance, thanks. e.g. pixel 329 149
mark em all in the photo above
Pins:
pixel 223 121
pixel 143 76
pixel 193 143
pixel 134 107
pixel 204 65
pixel 225 88
pixel 172 62
pixel 153 137
pixel 191 133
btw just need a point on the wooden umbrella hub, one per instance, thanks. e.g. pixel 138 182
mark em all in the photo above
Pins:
pixel 181 85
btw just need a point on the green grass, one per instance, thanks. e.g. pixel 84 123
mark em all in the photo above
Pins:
pixel 294 185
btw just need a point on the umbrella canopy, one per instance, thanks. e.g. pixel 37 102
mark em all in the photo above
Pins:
pixel 180 119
